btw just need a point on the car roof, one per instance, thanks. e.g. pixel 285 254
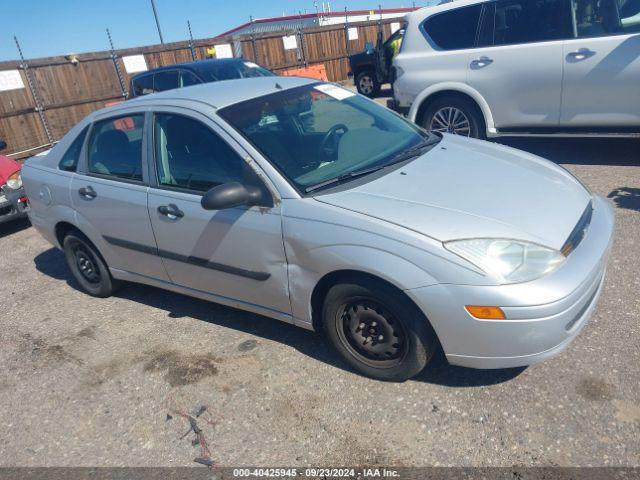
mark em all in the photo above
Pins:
pixel 195 65
pixel 220 94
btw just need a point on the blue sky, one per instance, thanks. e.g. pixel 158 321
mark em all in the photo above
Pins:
pixel 57 27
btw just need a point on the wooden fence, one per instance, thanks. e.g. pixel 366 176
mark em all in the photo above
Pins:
pixel 58 93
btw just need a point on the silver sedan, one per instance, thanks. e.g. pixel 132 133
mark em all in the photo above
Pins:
pixel 304 202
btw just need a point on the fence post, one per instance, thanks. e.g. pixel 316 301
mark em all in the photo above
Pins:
pixel 302 43
pixel 116 65
pixel 256 59
pixel 34 93
pixel 346 30
pixel 191 46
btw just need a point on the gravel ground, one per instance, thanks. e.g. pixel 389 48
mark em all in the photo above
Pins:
pixel 106 382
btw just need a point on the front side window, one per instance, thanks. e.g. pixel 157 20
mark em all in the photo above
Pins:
pixel 529 21
pixel 187 79
pixel 320 132
pixel 115 147
pixel 191 156
pixel 454 29
pixel 166 80
pixel 606 17
pixel 142 85
pixel 69 161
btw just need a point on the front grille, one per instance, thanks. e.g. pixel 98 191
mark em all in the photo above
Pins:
pixel 579 231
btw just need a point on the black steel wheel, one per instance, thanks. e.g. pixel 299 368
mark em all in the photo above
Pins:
pixel 367 84
pixel 87 266
pixel 377 330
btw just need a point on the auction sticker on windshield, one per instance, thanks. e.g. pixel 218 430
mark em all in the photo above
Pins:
pixel 334 91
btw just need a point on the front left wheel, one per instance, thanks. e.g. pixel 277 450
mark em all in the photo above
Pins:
pixel 87 266
pixel 377 330
pixel 367 84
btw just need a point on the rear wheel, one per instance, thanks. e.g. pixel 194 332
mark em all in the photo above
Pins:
pixel 455 115
pixel 377 330
pixel 367 84
pixel 87 266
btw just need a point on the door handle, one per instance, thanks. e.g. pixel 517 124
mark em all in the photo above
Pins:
pixel 581 54
pixel 482 62
pixel 170 211
pixel 87 192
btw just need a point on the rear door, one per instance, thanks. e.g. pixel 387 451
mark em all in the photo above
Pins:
pixel 517 67
pixel 602 65
pixel 236 253
pixel 109 193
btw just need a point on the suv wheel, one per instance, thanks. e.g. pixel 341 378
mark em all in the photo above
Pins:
pixel 455 115
pixel 377 331
pixel 87 266
pixel 367 84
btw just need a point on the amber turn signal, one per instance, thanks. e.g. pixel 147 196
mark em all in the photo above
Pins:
pixel 486 313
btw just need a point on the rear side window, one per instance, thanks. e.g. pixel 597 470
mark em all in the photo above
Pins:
pixel 455 29
pixel 166 80
pixel 606 17
pixel 115 147
pixel 69 161
pixel 529 21
pixel 142 85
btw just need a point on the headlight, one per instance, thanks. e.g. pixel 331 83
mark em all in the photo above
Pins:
pixel 510 261
pixel 14 181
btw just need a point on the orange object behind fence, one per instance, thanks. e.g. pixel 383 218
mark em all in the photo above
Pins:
pixel 317 71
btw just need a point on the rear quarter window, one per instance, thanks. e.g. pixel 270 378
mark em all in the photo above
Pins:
pixel 454 29
pixel 69 161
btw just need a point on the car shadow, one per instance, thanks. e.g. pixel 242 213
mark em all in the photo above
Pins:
pixel 580 151
pixel 52 263
pixel 14 226
pixel 626 197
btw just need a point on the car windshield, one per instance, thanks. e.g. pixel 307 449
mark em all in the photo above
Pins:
pixel 215 71
pixel 319 134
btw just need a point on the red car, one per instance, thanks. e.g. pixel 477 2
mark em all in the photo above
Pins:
pixel 13 201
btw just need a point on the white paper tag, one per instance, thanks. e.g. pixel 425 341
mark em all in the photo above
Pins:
pixel 251 65
pixel 135 63
pixel 353 33
pixel 224 50
pixel 10 80
pixel 334 91
pixel 290 42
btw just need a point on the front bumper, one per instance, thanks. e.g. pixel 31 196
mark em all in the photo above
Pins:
pixel 12 204
pixel 543 316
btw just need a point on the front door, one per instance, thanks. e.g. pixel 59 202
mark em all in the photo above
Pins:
pixel 238 253
pixel 517 67
pixel 602 65
pixel 109 193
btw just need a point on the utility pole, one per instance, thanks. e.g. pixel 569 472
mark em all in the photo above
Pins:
pixel 155 14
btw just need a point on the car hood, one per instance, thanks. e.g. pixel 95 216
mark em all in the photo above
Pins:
pixel 8 167
pixel 465 188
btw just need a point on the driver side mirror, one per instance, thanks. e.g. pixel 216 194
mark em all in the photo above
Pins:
pixel 229 195
pixel 3 145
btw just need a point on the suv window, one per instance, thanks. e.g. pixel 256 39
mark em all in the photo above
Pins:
pixel 191 156
pixel 115 147
pixel 455 29
pixel 69 161
pixel 166 80
pixel 606 17
pixel 528 21
pixel 142 85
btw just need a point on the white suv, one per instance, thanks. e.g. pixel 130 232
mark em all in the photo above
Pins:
pixel 514 67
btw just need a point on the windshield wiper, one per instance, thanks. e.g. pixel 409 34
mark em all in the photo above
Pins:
pixel 343 177
pixel 412 152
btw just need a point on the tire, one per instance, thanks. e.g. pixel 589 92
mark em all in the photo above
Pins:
pixel 367 84
pixel 87 266
pixel 388 315
pixel 438 110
